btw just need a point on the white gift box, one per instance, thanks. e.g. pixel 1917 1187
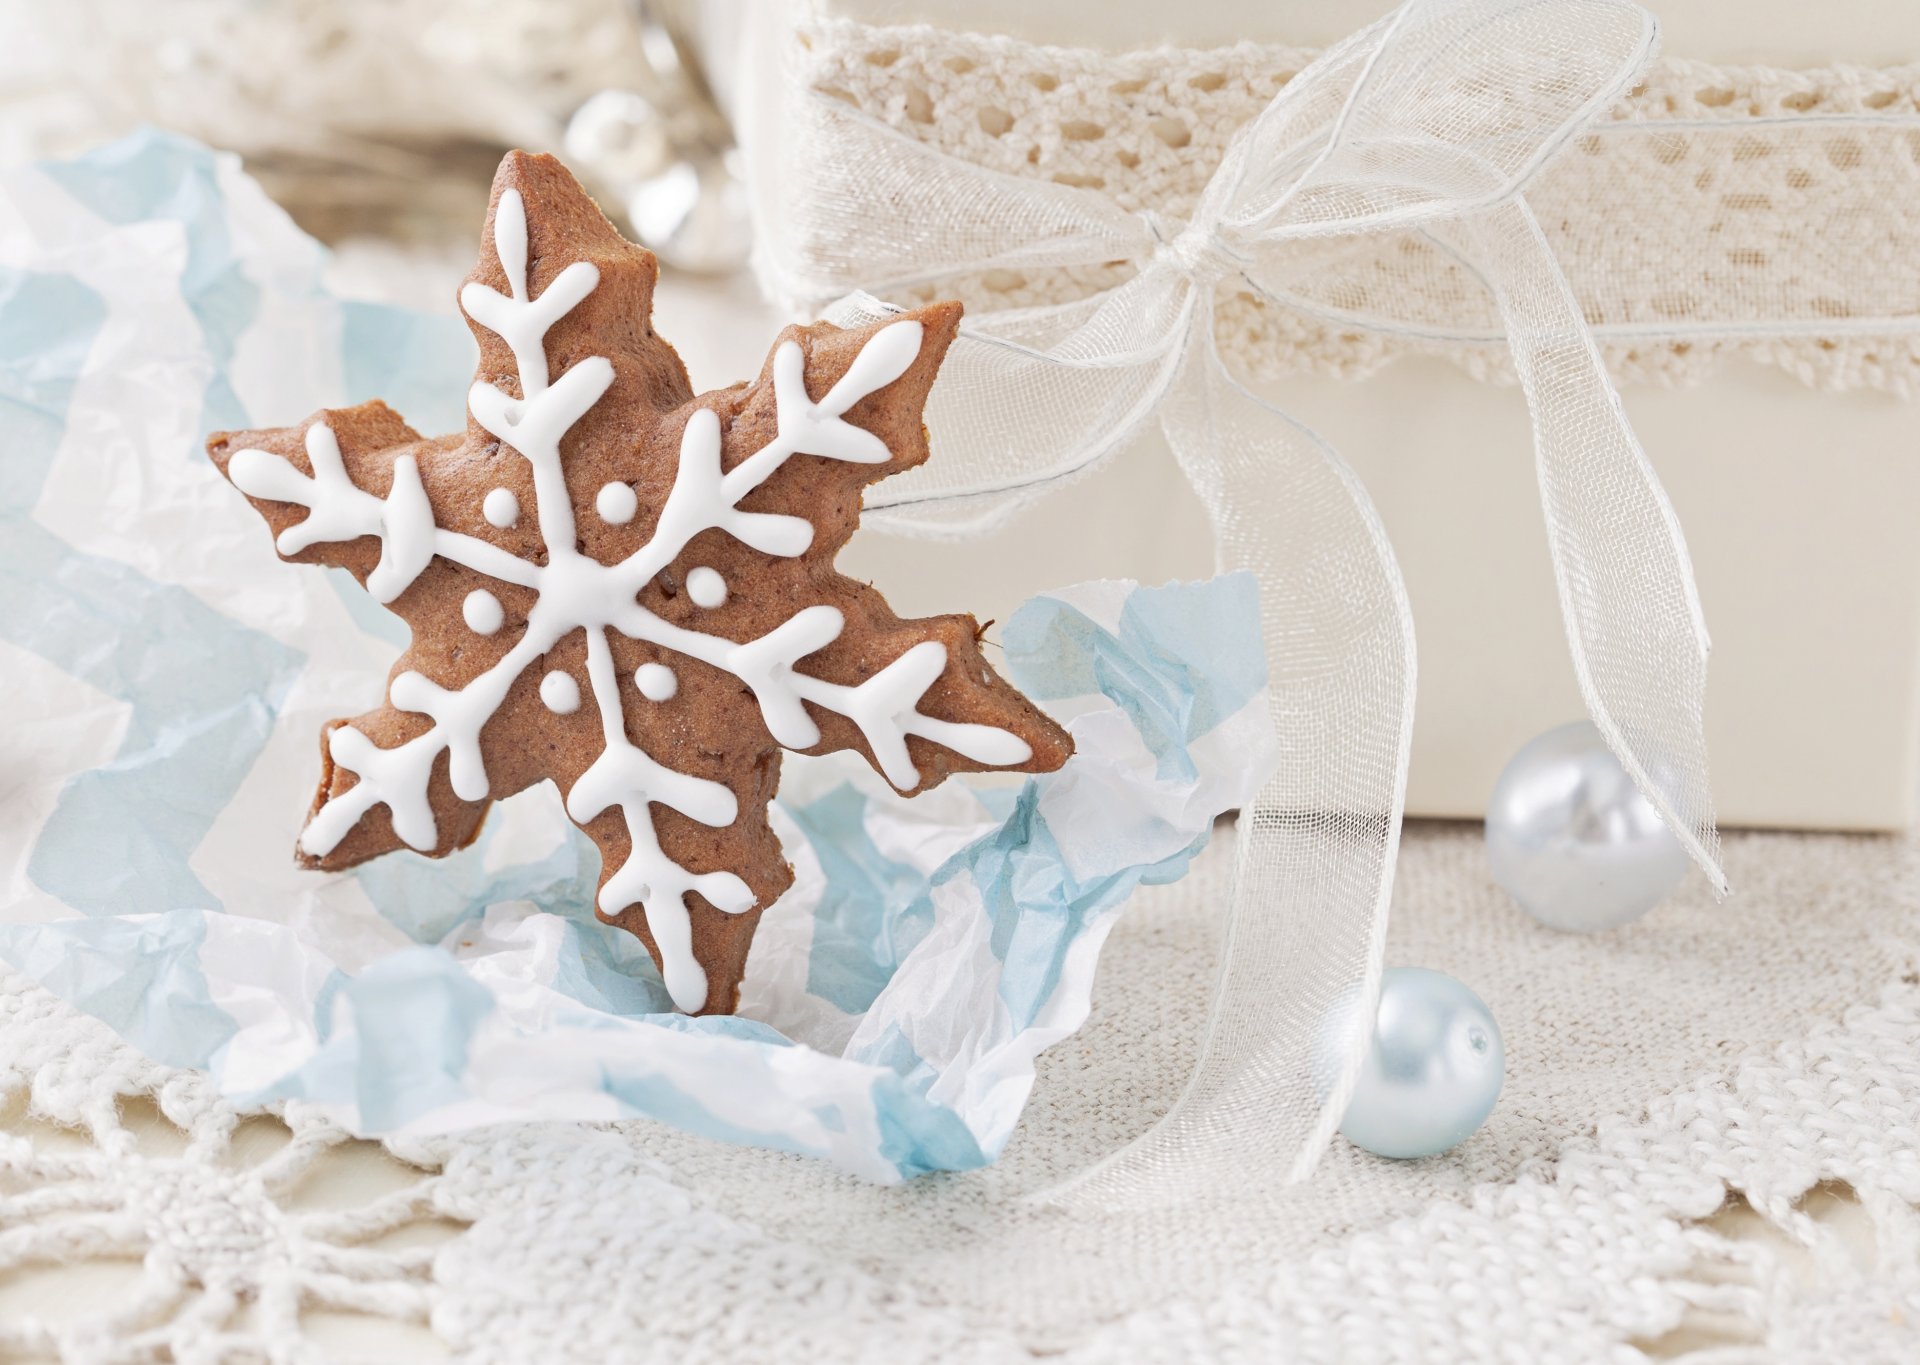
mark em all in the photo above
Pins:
pixel 1798 503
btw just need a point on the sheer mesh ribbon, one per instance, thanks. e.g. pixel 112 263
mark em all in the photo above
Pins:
pixel 1430 123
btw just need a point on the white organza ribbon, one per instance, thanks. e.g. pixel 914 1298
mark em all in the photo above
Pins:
pixel 1430 122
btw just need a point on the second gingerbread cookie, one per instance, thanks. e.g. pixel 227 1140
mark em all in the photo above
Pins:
pixel 627 589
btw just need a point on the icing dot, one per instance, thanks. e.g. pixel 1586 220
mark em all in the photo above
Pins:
pixel 656 682
pixel 501 508
pixel 706 587
pixel 560 692
pixel 616 503
pixel 483 612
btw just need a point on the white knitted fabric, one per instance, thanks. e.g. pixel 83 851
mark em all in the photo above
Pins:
pixel 1767 1049
pixel 1714 201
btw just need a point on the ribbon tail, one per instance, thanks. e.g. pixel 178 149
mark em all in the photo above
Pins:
pixel 1301 959
pixel 1626 584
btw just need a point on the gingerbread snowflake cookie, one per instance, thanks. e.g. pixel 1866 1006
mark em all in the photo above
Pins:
pixel 627 589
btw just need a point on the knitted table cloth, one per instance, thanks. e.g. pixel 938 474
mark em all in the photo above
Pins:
pixel 1767 1050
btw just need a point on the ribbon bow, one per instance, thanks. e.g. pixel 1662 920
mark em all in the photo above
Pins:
pixel 1430 123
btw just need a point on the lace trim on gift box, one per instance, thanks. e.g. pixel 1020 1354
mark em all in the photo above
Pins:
pixel 1773 212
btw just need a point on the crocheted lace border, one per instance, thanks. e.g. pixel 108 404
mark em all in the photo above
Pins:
pixel 1719 211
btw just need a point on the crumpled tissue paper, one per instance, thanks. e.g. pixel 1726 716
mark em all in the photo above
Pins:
pixel 165 679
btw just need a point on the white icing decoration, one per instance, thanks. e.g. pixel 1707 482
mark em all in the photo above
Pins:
pixel 394 777
pixel 483 612
pixel 501 508
pixel 706 587
pixel 560 693
pixel 338 510
pixel 574 592
pixel 519 321
pixel 656 682
pixel 616 503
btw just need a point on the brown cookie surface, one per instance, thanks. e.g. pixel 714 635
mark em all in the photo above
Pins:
pixel 627 589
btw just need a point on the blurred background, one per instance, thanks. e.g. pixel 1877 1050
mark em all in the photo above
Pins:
pixel 377 125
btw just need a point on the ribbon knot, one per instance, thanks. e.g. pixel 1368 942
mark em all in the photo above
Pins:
pixel 1197 252
pixel 1425 127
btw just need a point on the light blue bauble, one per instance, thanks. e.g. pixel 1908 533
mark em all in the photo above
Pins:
pixel 1572 839
pixel 1432 1072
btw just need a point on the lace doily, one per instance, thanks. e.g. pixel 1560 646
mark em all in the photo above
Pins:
pixel 1715 1217
pixel 1721 210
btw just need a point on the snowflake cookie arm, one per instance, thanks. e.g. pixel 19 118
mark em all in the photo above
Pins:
pixel 348 488
pixel 383 788
pixel 393 777
pixel 830 664
pixel 342 489
pixel 687 872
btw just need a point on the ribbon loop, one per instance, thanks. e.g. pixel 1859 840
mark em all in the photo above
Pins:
pixel 1428 124
pixel 1439 109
